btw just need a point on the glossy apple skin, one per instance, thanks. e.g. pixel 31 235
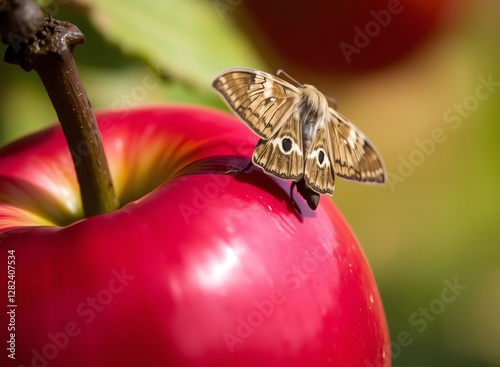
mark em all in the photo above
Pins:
pixel 206 269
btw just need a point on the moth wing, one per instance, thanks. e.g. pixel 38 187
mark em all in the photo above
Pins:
pixel 354 157
pixel 318 172
pixel 261 100
pixel 282 154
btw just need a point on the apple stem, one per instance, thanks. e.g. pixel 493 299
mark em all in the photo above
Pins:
pixel 48 49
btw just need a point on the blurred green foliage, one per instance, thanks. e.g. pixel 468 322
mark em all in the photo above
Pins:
pixel 437 222
pixel 180 44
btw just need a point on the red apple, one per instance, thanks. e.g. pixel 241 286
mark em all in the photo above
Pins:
pixel 197 268
pixel 342 36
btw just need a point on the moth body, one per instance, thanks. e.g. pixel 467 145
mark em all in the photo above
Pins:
pixel 313 108
pixel 302 138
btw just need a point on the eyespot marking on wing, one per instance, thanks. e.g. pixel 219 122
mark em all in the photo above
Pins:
pixel 286 145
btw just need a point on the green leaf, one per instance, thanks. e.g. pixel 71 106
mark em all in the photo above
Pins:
pixel 192 40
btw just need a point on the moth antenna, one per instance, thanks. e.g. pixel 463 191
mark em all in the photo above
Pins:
pixel 281 71
pixel 334 102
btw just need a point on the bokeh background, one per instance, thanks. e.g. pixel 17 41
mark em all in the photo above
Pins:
pixel 420 78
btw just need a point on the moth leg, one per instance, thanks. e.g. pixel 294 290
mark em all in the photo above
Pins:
pixel 241 170
pixel 296 206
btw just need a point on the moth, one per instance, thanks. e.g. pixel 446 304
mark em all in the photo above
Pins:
pixel 302 138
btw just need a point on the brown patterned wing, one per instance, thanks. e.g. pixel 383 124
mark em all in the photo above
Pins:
pixel 354 157
pixel 318 171
pixel 261 100
pixel 282 155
